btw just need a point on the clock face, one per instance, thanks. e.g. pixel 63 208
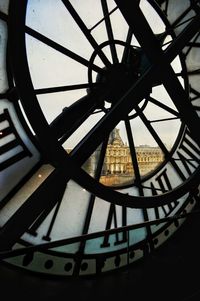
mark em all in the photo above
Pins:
pixel 98 143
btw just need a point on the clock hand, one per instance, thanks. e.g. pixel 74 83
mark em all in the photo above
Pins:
pixel 125 104
pixel 72 117
pixel 93 139
pixel 151 47
pixel 51 191
pixel 46 196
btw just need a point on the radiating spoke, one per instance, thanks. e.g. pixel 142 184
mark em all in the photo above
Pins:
pixel 195 92
pixel 192 44
pixel 183 39
pixel 194 72
pixel 92 201
pixel 137 91
pixel 125 105
pixel 134 157
pixel 165 9
pixel 10 94
pixel 136 170
pixel 50 192
pixel 103 19
pixel 40 37
pixel 196 108
pixel 182 103
pixel 175 25
pixel 165 44
pixel 65 88
pixel 86 32
pixel 163 106
pixel 152 49
pixel 109 31
pixel 160 143
pixel 185 13
pixel 127 47
pixel 158 59
pixel 148 125
pixel 163 119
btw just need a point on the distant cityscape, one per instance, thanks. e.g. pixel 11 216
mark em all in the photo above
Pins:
pixel 118 167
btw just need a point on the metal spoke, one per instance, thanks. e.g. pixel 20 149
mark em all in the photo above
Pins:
pixel 163 119
pixel 127 49
pixel 136 170
pixel 109 31
pixel 163 106
pixel 91 202
pixel 182 16
pixel 160 143
pixel 103 19
pixel 152 49
pixel 153 133
pixel 192 43
pixel 134 157
pixel 158 60
pixel 65 88
pixel 180 24
pixel 125 104
pixel 194 72
pixel 40 37
pixel 86 32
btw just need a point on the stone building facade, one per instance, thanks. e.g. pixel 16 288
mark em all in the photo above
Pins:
pixel 118 168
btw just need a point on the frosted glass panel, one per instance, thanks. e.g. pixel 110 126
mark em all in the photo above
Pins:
pixel 114 242
pixel 4 6
pixel 18 153
pixel 3 45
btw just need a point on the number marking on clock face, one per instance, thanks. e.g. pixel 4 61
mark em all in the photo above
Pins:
pixel 10 143
pixel 188 154
pixel 68 209
pixel 18 155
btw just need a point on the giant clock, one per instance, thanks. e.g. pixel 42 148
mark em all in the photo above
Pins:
pixel 77 197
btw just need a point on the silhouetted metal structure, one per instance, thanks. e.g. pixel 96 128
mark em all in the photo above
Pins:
pixel 139 65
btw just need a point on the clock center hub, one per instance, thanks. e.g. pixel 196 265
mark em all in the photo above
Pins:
pixel 119 77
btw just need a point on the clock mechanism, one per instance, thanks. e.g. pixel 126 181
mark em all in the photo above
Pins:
pixel 99 148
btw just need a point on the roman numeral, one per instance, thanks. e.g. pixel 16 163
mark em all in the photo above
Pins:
pixel 164 185
pixel 112 218
pixel 33 229
pixel 188 153
pixel 12 144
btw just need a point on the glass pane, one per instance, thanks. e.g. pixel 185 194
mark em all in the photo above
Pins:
pixel 3 47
